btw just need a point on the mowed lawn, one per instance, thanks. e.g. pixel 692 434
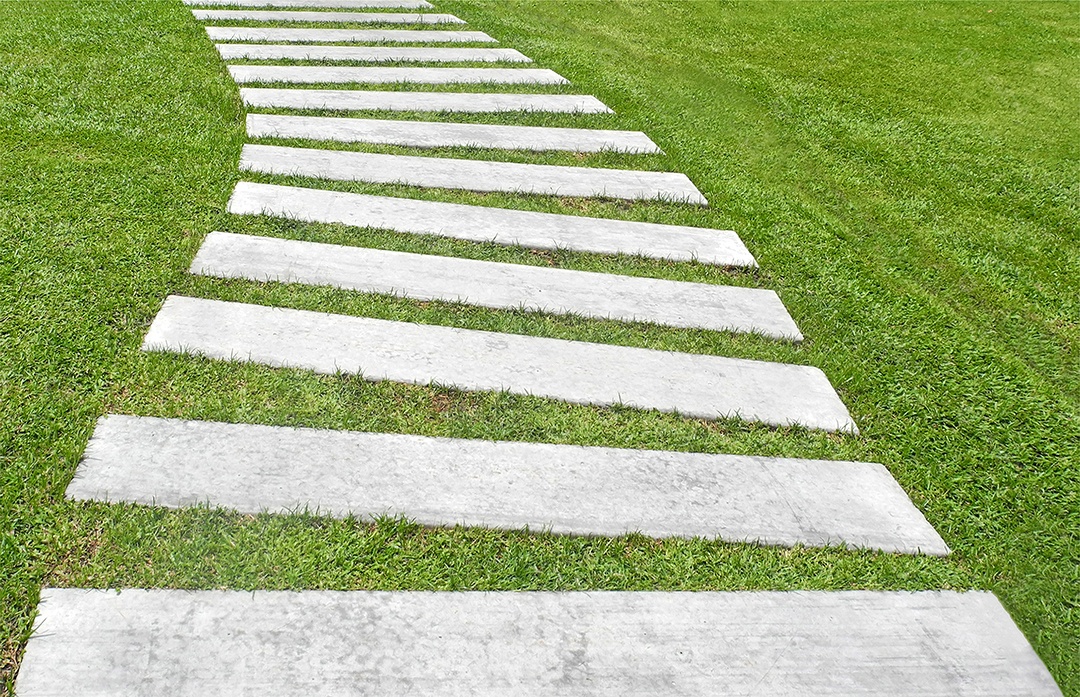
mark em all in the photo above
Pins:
pixel 906 174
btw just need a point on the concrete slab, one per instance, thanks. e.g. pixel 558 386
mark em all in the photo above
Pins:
pixel 470 175
pixel 326 4
pixel 310 74
pixel 314 36
pixel 434 134
pixel 444 482
pixel 697 386
pixel 350 17
pixel 491 284
pixel 384 100
pixel 498 225
pixel 372 54
pixel 186 643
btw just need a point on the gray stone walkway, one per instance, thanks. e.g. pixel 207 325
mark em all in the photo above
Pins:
pixel 445 482
pixel 371 54
pixel 326 4
pixel 302 16
pixel 597 644
pixel 308 74
pixel 498 225
pixel 696 386
pixel 464 102
pixel 470 175
pixel 165 642
pixel 299 35
pixel 433 134
pixel 491 284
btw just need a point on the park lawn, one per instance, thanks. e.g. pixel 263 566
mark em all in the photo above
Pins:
pixel 905 173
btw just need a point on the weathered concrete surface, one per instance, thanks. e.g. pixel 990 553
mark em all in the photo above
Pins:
pixel 369 53
pixel 444 481
pixel 471 175
pixel 491 284
pixel 591 644
pixel 498 225
pixel 434 134
pixel 312 74
pixel 336 4
pixel 342 35
pixel 302 16
pixel 697 386
pixel 468 102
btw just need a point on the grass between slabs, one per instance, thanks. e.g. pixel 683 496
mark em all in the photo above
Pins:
pixel 904 173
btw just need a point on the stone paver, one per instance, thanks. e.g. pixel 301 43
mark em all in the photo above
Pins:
pixel 696 386
pixel 470 175
pixel 290 35
pixel 349 17
pixel 186 643
pixel 491 284
pixel 433 134
pixel 311 74
pixel 371 54
pixel 498 225
pixel 326 4
pixel 444 482
pixel 466 102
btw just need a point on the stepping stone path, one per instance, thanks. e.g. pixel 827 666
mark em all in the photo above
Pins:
pixel 490 284
pixel 369 53
pixel 444 481
pixel 302 74
pixel 433 134
pixel 186 643
pixel 461 102
pixel 694 385
pixel 498 225
pixel 593 643
pixel 470 175
pixel 307 36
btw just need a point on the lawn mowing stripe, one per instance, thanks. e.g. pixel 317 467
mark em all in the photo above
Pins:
pixel 694 385
pixel 350 17
pixel 189 643
pixel 369 53
pixel 433 134
pixel 497 225
pixel 566 489
pixel 326 4
pixel 312 74
pixel 465 102
pixel 471 175
pixel 496 285
pixel 297 35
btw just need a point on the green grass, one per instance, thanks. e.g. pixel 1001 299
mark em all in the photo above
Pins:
pixel 905 173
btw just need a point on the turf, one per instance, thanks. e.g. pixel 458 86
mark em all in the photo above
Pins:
pixel 905 174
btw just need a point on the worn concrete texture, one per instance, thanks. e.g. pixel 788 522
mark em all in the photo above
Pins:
pixel 467 102
pixel 443 481
pixel 435 134
pixel 302 16
pixel 498 225
pixel 298 35
pixel 371 54
pixel 696 386
pixel 311 74
pixel 471 175
pixel 334 4
pixel 588 644
pixel 497 285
